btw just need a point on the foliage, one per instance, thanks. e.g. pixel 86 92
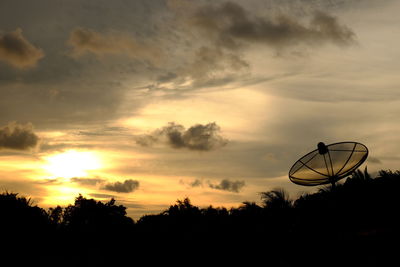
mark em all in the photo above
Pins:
pixel 357 212
pixel 19 212
pixel 92 215
pixel 276 199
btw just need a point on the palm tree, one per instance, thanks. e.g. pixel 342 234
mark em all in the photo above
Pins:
pixel 361 176
pixel 183 208
pixel 277 198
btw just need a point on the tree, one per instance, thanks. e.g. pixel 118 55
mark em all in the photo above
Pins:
pixel 277 198
pixel 183 208
pixel 22 224
pixel 247 209
pixel 358 177
pixel 19 213
pixel 92 215
pixel 55 215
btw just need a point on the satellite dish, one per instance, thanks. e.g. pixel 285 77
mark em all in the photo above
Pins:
pixel 328 163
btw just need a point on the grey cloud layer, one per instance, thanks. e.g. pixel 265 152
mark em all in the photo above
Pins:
pixel 16 136
pixel 198 137
pixel 126 187
pixel 227 185
pixel 224 185
pixel 219 35
pixel 88 41
pixel 17 51
pixel 66 92
pixel 119 47
pixel 231 25
pixel 87 181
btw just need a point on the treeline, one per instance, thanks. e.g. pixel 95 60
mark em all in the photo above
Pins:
pixel 354 222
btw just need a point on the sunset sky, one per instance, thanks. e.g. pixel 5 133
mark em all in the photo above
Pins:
pixel 153 101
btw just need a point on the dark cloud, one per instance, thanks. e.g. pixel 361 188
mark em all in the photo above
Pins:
pixel 87 181
pixel 126 187
pixel 219 35
pixel 84 181
pixel 88 41
pixel 194 183
pixel 55 181
pixel 85 40
pixel 167 77
pixel 213 63
pixel 67 91
pixel 105 131
pixel 17 51
pixel 16 136
pixel 198 137
pixel 231 26
pixel 227 185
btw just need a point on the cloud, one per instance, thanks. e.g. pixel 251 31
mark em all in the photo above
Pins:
pixel 17 51
pixel 105 131
pixel 231 26
pixel 78 180
pixel 88 41
pixel 213 63
pixel 126 187
pixel 17 136
pixel 87 181
pixel 194 183
pixel 198 137
pixel 55 181
pixel 227 185
pixel 219 35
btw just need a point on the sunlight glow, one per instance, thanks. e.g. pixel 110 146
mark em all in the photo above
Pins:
pixel 72 163
pixel 62 195
pixel 235 122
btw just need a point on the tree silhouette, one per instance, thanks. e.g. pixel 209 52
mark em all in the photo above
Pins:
pixel 19 214
pixel 210 211
pixel 359 175
pixel 88 225
pixel 277 199
pixel 55 215
pixel 358 219
pixel 92 215
pixel 22 224
pixel 183 208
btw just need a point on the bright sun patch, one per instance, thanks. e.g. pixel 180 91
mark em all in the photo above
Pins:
pixel 72 163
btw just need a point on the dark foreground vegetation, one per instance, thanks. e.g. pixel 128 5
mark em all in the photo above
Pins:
pixel 354 224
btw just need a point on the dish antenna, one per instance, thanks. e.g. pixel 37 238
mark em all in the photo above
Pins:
pixel 328 163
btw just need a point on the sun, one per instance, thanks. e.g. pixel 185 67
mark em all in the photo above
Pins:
pixel 72 163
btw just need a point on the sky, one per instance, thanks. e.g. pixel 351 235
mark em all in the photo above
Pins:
pixel 148 102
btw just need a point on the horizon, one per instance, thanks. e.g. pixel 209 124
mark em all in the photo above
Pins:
pixel 148 102
pixel 357 177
